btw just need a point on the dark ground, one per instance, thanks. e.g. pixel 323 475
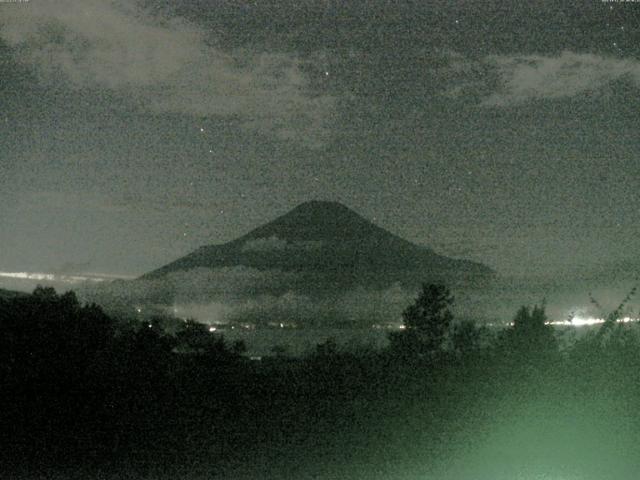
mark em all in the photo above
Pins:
pixel 87 396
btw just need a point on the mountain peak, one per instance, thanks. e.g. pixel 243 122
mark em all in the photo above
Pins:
pixel 317 220
pixel 328 238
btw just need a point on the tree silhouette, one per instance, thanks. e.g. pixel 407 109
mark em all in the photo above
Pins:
pixel 427 322
pixel 530 338
pixel 466 337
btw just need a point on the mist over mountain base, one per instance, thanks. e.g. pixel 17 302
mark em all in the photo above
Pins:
pixel 265 314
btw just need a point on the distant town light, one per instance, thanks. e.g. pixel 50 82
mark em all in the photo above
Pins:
pixel 578 321
pixel 52 277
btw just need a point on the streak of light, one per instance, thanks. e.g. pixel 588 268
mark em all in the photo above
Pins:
pixel 53 277
pixel 585 321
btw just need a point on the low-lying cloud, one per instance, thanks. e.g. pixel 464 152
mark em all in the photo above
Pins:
pixel 357 307
pixel 244 294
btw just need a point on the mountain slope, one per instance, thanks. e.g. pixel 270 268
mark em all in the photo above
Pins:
pixel 326 240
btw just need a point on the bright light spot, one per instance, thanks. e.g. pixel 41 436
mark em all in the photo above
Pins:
pixel 579 321
pixel 212 329
pixel 201 129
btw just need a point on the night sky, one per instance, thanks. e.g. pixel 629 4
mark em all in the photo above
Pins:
pixel 499 131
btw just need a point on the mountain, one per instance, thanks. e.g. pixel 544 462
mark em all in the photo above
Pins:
pixel 331 245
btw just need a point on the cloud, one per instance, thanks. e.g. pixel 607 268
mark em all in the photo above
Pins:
pixel 165 65
pixel 357 307
pixel 507 80
pixel 248 294
pixel 199 285
pixel 534 77
pixel 460 76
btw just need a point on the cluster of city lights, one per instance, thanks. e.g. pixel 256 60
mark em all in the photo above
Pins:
pixel 586 321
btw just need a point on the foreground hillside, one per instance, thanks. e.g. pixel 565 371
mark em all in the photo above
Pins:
pixel 7 294
pixel 90 397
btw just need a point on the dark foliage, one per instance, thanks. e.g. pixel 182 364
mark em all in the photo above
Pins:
pixel 427 322
pixel 84 392
pixel 530 338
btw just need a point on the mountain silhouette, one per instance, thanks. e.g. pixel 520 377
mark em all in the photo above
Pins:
pixel 329 243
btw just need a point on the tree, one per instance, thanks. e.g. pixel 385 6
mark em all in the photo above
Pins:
pixel 530 337
pixel 426 322
pixel 466 337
